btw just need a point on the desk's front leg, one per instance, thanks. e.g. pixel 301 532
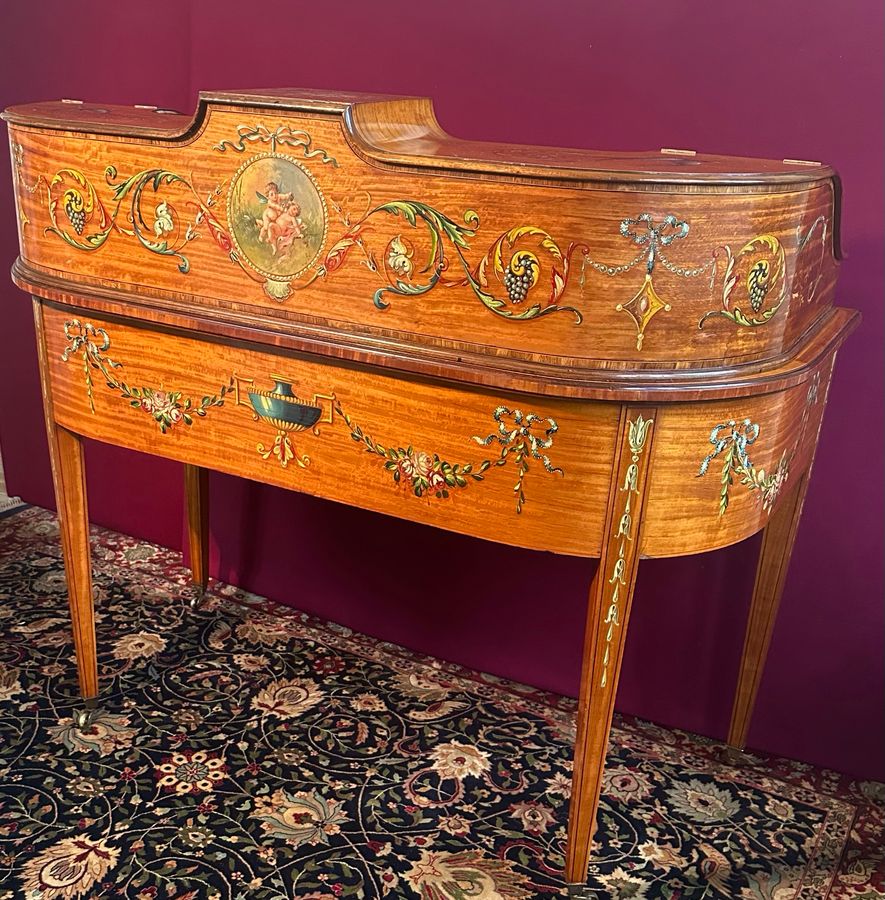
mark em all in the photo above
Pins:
pixel 608 612
pixel 69 481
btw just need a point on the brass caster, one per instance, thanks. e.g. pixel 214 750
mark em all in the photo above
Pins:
pixel 197 598
pixel 732 756
pixel 83 717
pixel 580 892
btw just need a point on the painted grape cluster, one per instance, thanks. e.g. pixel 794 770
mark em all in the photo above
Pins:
pixel 74 210
pixel 520 277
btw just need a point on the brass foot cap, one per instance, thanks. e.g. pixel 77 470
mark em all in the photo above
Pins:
pixel 732 756
pixel 83 717
pixel 197 597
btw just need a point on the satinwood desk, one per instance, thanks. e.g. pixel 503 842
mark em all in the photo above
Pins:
pixel 612 355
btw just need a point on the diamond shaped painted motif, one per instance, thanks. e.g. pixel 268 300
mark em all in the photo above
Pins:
pixel 643 307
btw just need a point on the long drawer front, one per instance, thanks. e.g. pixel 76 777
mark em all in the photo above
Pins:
pixel 521 469
pixel 527 471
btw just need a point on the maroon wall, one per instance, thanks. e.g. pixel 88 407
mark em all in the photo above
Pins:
pixel 788 79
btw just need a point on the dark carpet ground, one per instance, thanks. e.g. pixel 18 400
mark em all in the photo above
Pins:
pixel 249 751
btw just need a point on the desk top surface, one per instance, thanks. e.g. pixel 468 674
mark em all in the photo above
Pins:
pixel 404 129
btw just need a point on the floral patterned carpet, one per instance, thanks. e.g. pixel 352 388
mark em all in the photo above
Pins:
pixel 248 751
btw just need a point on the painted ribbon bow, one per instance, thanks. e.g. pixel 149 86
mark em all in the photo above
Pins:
pixel 521 433
pixel 741 436
pixel 654 236
pixel 84 337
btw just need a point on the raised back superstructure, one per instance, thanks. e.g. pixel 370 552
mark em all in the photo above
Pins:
pixel 356 221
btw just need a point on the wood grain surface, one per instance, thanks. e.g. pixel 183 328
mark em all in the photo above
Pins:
pixel 563 511
pixel 608 615
pixel 582 237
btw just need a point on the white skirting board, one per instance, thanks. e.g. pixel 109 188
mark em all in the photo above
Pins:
pixel 6 502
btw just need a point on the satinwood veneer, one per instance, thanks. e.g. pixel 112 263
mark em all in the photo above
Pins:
pixel 611 355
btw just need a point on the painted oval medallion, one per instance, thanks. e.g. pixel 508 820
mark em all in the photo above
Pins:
pixel 277 216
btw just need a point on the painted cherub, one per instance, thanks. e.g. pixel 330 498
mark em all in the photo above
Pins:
pixel 280 224
pixel 287 228
pixel 274 205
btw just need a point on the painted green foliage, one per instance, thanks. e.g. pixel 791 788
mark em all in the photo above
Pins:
pixel 733 439
pixel 168 408
pixel 522 276
pixel 504 260
pixel 429 474
pixel 139 209
pixel 425 473
pixel 160 231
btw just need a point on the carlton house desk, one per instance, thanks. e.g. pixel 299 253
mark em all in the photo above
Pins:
pixel 612 355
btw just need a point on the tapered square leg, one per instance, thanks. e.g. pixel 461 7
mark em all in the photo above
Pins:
pixel 69 481
pixel 774 559
pixel 196 484
pixel 608 613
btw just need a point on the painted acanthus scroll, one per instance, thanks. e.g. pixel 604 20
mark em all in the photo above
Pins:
pixel 410 263
pixel 759 265
pixel 522 276
pixel 276 229
pixel 168 408
pixel 277 222
pixel 527 259
pixel 82 219
pixel 811 252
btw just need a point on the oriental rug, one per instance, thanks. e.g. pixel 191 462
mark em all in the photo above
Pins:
pixel 246 750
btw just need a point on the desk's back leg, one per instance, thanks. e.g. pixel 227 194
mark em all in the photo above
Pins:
pixel 774 558
pixel 196 487
pixel 608 612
